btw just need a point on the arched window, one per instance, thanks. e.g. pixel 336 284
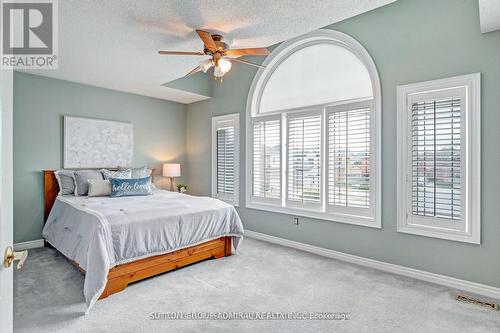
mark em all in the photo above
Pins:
pixel 313 141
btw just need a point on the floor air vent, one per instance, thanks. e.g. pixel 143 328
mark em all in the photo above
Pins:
pixel 472 300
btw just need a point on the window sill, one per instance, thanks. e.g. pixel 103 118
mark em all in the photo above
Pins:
pixel 342 218
pixel 440 233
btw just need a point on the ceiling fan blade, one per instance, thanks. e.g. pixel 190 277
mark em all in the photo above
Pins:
pixel 248 63
pixel 180 53
pixel 194 70
pixel 258 51
pixel 206 37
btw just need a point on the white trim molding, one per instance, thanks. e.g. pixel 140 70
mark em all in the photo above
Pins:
pixel 442 280
pixel 369 217
pixel 467 90
pixel 28 245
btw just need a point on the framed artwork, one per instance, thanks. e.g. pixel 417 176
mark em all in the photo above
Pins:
pixel 95 143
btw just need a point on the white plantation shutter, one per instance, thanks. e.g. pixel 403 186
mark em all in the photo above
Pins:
pixel 349 156
pixel 266 169
pixel 225 160
pixel 436 158
pixel 439 154
pixel 304 159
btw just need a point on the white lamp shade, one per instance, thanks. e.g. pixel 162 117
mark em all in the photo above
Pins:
pixel 206 64
pixel 171 170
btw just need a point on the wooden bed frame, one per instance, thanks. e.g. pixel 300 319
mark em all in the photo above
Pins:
pixel 121 275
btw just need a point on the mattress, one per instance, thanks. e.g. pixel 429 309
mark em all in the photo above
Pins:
pixel 99 233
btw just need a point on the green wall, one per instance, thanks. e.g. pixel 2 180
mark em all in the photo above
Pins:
pixel 410 41
pixel 39 106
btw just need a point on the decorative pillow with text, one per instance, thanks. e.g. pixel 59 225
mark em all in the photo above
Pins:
pixel 130 187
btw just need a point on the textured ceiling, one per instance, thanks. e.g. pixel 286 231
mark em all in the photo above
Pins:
pixel 114 43
pixel 489 11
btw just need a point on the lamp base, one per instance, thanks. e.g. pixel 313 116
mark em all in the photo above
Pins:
pixel 172 184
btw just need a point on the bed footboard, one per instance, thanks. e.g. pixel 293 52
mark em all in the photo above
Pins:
pixel 120 276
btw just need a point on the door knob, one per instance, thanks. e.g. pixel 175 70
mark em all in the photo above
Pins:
pixel 11 255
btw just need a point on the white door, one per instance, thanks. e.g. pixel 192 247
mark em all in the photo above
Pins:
pixel 6 216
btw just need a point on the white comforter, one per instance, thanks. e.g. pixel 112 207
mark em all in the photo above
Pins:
pixel 100 232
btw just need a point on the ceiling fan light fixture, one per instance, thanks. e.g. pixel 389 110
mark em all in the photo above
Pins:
pixel 206 64
pixel 218 72
pixel 224 65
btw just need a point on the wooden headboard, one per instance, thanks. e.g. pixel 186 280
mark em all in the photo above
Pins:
pixel 51 189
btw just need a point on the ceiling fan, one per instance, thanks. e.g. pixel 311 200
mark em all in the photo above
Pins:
pixel 220 54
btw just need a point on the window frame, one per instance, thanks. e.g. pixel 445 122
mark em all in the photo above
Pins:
pixel 278 55
pixel 250 160
pixel 220 122
pixel 352 211
pixel 307 112
pixel 467 229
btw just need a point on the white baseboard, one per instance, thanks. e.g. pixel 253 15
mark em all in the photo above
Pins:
pixel 28 245
pixel 447 281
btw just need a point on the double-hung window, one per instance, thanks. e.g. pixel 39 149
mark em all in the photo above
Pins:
pixel 313 141
pixel 439 158
pixel 225 158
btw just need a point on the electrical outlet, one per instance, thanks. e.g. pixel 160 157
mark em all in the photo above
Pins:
pixel 295 220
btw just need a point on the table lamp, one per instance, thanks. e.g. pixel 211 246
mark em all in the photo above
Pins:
pixel 171 170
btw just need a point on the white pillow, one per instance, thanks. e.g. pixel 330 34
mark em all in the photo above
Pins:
pixel 141 172
pixel 120 174
pixel 99 188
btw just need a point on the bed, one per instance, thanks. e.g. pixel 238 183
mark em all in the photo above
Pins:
pixel 117 241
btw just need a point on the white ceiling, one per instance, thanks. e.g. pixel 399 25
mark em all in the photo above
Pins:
pixel 114 43
pixel 489 12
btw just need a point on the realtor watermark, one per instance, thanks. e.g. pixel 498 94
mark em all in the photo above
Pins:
pixel 249 315
pixel 29 34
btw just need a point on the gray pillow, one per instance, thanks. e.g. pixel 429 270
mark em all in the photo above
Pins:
pixel 66 181
pixel 82 180
pixel 141 172
pixel 99 188
pixel 121 174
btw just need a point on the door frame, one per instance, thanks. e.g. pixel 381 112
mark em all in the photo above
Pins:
pixel 6 196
